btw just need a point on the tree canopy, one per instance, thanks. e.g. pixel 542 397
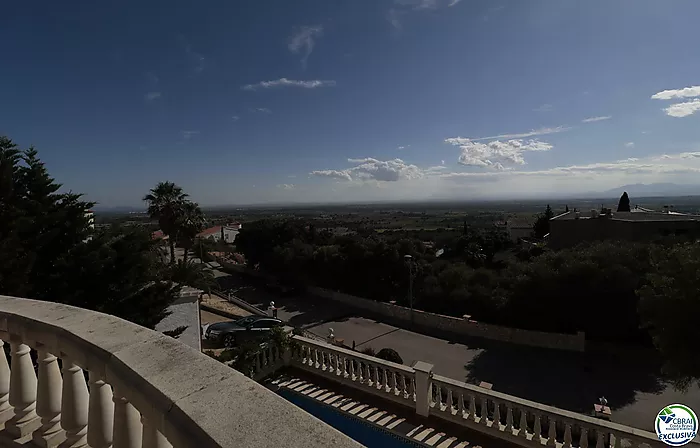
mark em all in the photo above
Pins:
pixel 48 250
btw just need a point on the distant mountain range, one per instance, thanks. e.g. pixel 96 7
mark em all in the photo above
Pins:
pixel 652 190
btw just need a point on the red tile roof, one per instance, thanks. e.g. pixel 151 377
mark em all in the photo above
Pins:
pixel 210 231
pixel 158 235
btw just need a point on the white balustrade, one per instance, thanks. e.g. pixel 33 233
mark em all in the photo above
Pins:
pixel 150 373
pixel 520 421
pixel 538 424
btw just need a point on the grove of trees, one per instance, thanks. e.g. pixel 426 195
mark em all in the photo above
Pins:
pixel 621 292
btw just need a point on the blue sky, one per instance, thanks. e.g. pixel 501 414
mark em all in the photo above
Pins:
pixel 282 101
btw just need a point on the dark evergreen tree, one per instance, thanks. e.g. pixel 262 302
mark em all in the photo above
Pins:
pixel 624 204
pixel 48 250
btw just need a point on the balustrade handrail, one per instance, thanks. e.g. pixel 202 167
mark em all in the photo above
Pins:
pixel 357 355
pixel 546 409
pixel 189 398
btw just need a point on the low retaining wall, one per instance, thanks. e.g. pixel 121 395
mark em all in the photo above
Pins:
pixel 457 326
pixel 438 322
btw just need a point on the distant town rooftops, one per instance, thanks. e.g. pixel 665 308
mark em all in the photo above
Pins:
pixel 159 235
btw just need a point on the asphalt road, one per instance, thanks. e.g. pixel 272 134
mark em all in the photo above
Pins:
pixel 633 385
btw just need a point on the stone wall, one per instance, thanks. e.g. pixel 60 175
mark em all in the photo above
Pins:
pixel 438 323
pixel 457 326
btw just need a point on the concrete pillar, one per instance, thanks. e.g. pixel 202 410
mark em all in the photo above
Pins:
pixel 22 391
pixel 424 375
pixel 100 413
pixel 48 402
pixel 74 404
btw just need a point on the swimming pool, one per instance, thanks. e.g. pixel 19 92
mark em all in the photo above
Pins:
pixel 360 430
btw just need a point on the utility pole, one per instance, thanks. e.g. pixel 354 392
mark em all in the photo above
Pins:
pixel 411 272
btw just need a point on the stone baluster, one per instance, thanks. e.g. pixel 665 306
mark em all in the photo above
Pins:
pixel 460 405
pixel 449 405
pixel 392 381
pixel 615 441
pixel 5 408
pixel 100 413
pixel 316 363
pixel 341 369
pixel 352 369
pixel 537 430
pixel 385 382
pixel 438 396
pixel 583 441
pixel 22 391
pixel 411 388
pixel 472 408
pixel 128 431
pixel 496 416
pixel 552 432
pixel 48 401
pixel 368 375
pixel 509 419
pixel 375 376
pixel 567 436
pixel 74 404
pixel 522 430
pixel 334 363
pixel 152 438
pixel 258 364
pixel 484 412
pixel 600 439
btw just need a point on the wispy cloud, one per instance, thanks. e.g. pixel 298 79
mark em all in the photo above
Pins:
pixel 401 7
pixel 235 118
pixel 544 108
pixel 195 60
pixel 303 41
pixel 152 78
pixel 284 82
pixel 286 186
pixel 403 146
pixel 629 145
pixel 262 110
pixel 452 3
pixel 150 96
pixel 532 133
pixel 680 110
pixel 186 135
pixel 393 16
pixel 686 92
pixel 594 119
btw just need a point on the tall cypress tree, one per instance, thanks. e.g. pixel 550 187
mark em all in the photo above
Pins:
pixel 45 252
pixel 624 204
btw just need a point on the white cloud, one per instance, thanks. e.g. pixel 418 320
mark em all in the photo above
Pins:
pixel 683 109
pixel 186 135
pixel 453 2
pixel 393 17
pixel 594 119
pixel 304 40
pixel 629 145
pixel 262 110
pixel 496 153
pixel 333 174
pixel 442 162
pixel 544 108
pixel 376 170
pixel 284 82
pixel 235 118
pixel 687 92
pixel 286 186
pixel 532 133
pixel 150 96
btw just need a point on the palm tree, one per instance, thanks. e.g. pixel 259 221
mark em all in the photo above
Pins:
pixel 190 223
pixel 193 274
pixel 165 203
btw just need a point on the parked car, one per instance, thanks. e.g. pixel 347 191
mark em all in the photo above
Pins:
pixel 249 328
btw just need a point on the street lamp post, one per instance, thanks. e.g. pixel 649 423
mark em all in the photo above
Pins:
pixel 411 272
